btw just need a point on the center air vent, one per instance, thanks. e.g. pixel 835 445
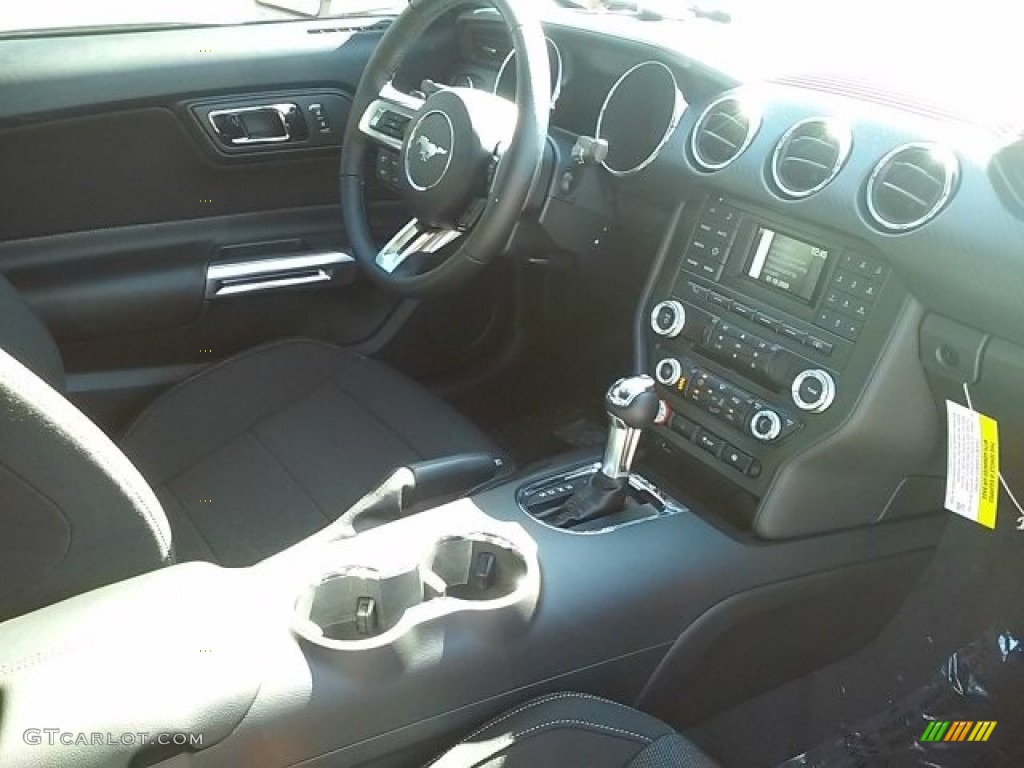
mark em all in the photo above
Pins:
pixel 725 128
pixel 910 185
pixel 808 156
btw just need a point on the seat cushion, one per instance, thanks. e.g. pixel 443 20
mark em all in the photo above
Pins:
pixel 569 730
pixel 261 450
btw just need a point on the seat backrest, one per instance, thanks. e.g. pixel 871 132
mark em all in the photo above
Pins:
pixel 75 514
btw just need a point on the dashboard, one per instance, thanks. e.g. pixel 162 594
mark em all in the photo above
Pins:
pixel 804 236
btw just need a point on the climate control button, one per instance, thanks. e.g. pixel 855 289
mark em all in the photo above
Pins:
pixel 668 371
pixel 765 425
pixel 813 390
pixel 668 318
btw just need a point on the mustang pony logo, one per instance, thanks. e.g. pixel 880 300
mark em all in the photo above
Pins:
pixel 428 149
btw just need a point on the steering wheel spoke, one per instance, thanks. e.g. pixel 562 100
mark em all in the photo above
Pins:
pixel 388 116
pixel 414 238
pixel 467 159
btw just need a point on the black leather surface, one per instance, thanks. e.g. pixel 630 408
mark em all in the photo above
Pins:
pixel 573 729
pixel 264 449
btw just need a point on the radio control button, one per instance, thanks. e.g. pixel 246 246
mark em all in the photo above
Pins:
pixel 841 325
pixel 818 345
pixel 813 390
pixel 712 271
pixel 668 318
pixel 846 304
pixel 767 321
pixel 766 425
pixel 743 310
pixel 699 291
pixel 858 285
pixel 864 265
pixel 719 300
pixel 668 371
pixel 793 333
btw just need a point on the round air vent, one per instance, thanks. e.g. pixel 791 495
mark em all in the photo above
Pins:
pixel 809 155
pixel 724 129
pixel 910 185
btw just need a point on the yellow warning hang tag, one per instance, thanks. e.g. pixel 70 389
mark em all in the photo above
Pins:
pixel 972 464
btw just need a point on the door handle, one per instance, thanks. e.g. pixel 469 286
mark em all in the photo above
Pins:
pixel 274 272
pixel 262 124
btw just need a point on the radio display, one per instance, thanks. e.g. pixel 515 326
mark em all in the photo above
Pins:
pixel 787 264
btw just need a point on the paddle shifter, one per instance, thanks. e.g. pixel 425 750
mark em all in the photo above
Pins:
pixel 632 406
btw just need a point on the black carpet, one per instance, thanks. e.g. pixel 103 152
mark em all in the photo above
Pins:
pixel 971 589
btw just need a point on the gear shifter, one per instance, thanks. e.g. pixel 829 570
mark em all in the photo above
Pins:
pixel 632 406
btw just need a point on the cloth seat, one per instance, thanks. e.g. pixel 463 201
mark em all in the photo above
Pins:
pixel 250 456
pixel 258 452
pixel 574 730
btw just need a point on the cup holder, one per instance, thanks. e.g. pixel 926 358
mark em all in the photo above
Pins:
pixel 357 603
pixel 478 567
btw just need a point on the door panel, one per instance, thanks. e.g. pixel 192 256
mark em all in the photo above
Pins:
pixel 115 197
pixel 141 166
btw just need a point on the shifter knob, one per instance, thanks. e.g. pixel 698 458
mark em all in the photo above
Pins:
pixel 632 406
pixel 633 401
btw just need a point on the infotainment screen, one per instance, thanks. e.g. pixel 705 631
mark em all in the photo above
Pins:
pixel 787 264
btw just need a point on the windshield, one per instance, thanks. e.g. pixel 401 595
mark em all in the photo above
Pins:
pixel 26 15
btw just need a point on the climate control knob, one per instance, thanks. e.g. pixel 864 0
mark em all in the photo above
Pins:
pixel 813 390
pixel 766 425
pixel 668 371
pixel 668 318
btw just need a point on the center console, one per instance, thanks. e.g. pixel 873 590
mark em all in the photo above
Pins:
pixel 766 335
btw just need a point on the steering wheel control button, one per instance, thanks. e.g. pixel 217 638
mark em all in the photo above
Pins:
pixel 766 425
pixel 388 167
pixel 669 372
pixel 813 390
pixel 668 318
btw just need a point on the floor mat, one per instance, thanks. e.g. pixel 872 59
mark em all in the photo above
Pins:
pixel 967 716
pixel 971 587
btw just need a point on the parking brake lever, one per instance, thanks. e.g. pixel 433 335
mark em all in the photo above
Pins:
pixel 439 481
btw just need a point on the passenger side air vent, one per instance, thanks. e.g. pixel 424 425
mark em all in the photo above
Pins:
pixel 724 129
pixel 808 156
pixel 1007 173
pixel 910 185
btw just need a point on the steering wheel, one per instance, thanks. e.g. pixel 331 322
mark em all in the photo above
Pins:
pixel 466 162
